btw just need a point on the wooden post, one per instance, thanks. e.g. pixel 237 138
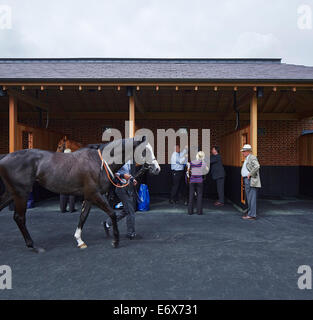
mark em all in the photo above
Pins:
pixel 254 124
pixel 131 116
pixel 12 124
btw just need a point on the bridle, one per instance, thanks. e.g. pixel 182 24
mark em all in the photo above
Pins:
pixel 110 174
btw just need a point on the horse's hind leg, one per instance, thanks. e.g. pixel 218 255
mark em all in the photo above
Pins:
pixel 83 217
pixel 99 201
pixel 20 219
pixel 5 200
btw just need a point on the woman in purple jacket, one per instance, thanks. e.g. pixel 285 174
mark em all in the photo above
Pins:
pixel 197 169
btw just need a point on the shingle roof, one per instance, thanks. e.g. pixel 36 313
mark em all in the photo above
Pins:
pixel 162 70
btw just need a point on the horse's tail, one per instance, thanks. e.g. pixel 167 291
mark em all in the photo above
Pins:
pixel 5 197
pixel 2 187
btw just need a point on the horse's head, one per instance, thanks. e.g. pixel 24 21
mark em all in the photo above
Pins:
pixel 146 157
pixel 62 144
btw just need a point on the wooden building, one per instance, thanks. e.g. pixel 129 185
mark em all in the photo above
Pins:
pixel 264 102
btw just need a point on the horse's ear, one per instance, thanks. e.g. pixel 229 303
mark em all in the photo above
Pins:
pixel 139 140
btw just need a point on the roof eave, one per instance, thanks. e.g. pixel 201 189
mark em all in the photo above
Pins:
pixel 150 80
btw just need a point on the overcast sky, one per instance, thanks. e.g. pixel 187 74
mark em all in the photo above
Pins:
pixel 158 28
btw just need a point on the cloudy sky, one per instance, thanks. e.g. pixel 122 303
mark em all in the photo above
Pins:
pixel 158 28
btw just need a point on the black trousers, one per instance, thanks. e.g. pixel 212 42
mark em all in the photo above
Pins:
pixel 127 197
pixel 178 184
pixel 195 187
pixel 67 199
pixel 220 189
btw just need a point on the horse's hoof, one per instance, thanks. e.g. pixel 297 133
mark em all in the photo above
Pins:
pixel 82 246
pixel 38 250
pixel 115 244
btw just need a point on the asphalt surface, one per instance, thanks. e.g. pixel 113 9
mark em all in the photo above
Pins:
pixel 214 256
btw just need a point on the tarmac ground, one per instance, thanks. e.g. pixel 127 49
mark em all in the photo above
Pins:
pixel 214 256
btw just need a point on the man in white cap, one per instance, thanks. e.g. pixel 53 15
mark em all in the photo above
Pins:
pixel 251 177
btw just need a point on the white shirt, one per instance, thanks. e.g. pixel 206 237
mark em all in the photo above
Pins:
pixel 244 170
pixel 178 160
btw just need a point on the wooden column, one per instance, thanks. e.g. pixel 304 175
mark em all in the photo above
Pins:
pixel 131 116
pixel 254 124
pixel 12 124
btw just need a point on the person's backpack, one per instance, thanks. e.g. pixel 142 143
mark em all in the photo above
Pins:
pixel 143 201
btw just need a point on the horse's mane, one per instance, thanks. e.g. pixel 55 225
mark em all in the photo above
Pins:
pixel 101 146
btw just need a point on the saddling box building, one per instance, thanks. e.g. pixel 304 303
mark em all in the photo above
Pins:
pixel 264 102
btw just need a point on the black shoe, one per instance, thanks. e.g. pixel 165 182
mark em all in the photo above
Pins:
pixel 73 211
pixel 134 236
pixel 106 229
pixel 171 201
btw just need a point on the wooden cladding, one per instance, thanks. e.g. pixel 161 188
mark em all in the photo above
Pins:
pixel 231 145
pixel 28 137
pixel 306 150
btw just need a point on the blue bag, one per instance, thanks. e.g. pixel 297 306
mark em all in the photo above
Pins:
pixel 30 201
pixel 143 198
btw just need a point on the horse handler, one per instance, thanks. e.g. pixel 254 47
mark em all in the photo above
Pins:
pixel 67 199
pixel 127 195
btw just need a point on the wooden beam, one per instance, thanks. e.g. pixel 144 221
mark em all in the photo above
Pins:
pixel 305 115
pixel 131 116
pixel 242 100
pixel 138 103
pixel 173 84
pixel 28 99
pixel 266 100
pixel 270 106
pixel 12 124
pixel 34 101
pixel 254 124
pixel 165 115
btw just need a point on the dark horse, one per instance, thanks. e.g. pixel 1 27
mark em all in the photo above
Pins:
pixel 78 173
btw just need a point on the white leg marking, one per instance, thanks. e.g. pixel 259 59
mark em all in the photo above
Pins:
pixel 78 238
pixel 154 161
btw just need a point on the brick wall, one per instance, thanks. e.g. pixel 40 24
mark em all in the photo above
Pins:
pixel 277 145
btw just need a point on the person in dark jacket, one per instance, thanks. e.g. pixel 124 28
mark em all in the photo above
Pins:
pixel 218 174
pixel 128 199
pixel 66 198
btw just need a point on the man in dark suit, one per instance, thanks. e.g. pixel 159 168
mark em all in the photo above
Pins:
pixel 66 198
pixel 127 195
pixel 218 174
